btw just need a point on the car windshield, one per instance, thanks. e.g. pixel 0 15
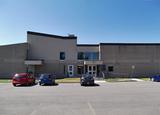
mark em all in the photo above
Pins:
pixel 45 76
pixel 19 76
pixel 87 76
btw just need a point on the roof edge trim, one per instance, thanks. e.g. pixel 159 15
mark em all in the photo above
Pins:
pixel 86 45
pixel 51 35
pixel 129 43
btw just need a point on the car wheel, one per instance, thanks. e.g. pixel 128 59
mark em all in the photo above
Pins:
pixel 28 84
pixel 14 85
pixel 33 83
pixel 40 83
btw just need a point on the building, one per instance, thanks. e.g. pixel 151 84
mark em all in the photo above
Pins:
pixel 45 53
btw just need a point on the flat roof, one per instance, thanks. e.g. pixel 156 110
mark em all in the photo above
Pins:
pixel 129 43
pixel 51 35
pixel 87 45
pixel 14 44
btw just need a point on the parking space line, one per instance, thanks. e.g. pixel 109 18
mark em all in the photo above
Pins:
pixel 36 110
pixel 91 109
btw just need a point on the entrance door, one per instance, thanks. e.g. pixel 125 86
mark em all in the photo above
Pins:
pixel 92 70
pixel 31 69
pixel 70 70
pixel 80 69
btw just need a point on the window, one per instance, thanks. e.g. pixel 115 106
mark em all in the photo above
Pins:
pixel 62 55
pixel 103 67
pixel 70 68
pixel 88 55
pixel 80 55
pixel 91 55
pixel 79 69
pixel 94 68
pixel 110 68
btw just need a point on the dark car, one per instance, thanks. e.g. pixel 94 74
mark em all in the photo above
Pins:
pixel 156 78
pixel 23 79
pixel 47 79
pixel 87 79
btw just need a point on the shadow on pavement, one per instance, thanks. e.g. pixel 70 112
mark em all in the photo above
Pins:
pixel 56 84
pixel 95 85
pixel 26 85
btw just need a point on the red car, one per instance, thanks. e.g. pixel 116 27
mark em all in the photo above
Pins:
pixel 23 79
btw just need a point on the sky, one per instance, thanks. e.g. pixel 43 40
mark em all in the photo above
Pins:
pixel 92 21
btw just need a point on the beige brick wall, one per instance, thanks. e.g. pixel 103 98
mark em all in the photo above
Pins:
pixel 12 59
pixel 48 49
pixel 145 58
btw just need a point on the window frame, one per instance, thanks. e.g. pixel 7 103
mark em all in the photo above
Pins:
pixel 62 55
pixel 88 56
pixel 110 68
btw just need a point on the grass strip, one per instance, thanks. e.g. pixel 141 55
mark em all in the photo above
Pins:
pixel 5 81
pixel 68 80
pixel 124 79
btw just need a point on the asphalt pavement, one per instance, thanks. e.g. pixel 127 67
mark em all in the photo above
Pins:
pixel 122 98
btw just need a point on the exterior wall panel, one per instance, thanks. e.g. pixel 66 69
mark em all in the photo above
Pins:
pixel 145 58
pixel 88 48
pixel 12 59
pixel 48 49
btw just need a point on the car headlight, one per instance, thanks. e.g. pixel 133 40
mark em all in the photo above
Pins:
pixel 82 78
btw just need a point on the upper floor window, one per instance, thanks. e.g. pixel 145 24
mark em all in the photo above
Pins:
pixel 80 55
pixel 62 56
pixel 88 55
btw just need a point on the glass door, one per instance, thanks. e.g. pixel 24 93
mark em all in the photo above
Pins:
pixel 92 70
pixel 70 70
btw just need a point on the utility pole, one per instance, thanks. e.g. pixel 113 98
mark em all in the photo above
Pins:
pixel 132 72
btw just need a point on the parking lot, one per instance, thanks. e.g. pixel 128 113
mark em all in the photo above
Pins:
pixel 122 98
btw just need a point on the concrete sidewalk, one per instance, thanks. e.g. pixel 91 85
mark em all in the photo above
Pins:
pixel 135 79
pixel 100 81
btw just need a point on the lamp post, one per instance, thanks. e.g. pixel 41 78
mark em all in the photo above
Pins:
pixel 133 68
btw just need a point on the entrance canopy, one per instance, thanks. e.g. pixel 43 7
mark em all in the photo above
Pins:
pixel 93 62
pixel 33 62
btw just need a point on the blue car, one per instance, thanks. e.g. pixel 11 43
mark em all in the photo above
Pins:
pixel 46 79
pixel 156 78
